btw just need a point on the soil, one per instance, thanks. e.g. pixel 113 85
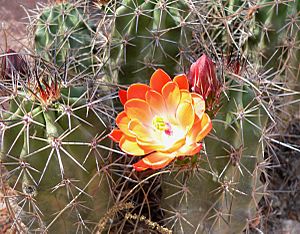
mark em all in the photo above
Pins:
pixel 13 19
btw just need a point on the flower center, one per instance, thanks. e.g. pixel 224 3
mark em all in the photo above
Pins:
pixel 161 125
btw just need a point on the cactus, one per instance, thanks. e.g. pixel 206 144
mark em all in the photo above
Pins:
pixel 221 196
pixel 216 191
pixel 64 34
pixel 275 34
pixel 275 37
pixel 56 155
pixel 220 192
pixel 264 31
pixel 148 35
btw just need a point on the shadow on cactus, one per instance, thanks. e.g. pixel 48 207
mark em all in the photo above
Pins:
pixel 56 153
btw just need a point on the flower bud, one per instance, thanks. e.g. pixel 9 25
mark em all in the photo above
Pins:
pixel 202 79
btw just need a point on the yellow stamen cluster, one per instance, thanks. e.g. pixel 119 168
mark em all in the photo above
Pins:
pixel 159 123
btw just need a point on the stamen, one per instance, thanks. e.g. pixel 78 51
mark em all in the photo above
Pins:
pixel 160 125
pixel 168 131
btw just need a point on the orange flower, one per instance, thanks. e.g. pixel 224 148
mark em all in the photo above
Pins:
pixel 162 121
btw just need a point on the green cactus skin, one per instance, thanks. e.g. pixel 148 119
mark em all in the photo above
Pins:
pixel 221 196
pixel 148 35
pixel 55 160
pixel 264 31
pixel 275 35
pixel 63 34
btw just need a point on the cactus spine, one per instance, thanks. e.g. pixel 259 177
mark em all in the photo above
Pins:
pixel 55 152
pixel 148 35
pixel 220 191
pixel 65 35
pixel 222 195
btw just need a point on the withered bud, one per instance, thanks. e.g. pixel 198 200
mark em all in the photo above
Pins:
pixel 12 63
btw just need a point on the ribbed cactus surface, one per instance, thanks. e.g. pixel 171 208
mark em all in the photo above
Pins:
pixel 221 194
pixel 148 35
pixel 54 152
pixel 264 31
pixel 54 144
pixel 64 36
pixel 275 35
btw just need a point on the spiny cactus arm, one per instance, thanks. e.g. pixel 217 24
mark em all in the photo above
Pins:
pixel 268 21
pixel 64 34
pixel 55 162
pixel 147 36
pixel 221 196
pixel 171 27
pixel 132 37
pixel 240 181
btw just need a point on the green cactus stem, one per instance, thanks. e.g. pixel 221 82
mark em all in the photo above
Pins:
pixel 148 35
pixel 65 35
pixel 222 193
pixel 55 150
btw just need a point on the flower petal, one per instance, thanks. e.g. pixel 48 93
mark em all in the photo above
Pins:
pixel 171 94
pixel 130 146
pixel 175 146
pixel 199 104
pixel 115 135
pixel 189 150
pixel 156 102
pixel 137 91
pixel 140 131
pixel 123 96
pixel 138 109
pixel 159 79
pixel 156 160
pixel 122 122
pixel 162 145
pixel 153 145
pixel 182 81
pixel 185 115
pixel 185 96
pixel 205 126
